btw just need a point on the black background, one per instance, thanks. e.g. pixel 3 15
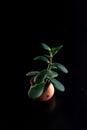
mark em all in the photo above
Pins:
pixel 26 26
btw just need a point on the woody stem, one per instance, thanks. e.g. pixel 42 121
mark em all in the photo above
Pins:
pixel 50 62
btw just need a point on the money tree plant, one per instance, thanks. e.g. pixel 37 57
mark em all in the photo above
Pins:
pixel 49 74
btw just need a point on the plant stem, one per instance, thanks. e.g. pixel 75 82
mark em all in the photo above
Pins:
pixel 50 62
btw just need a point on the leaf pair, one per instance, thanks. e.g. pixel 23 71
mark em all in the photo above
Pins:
pixel 42 76
pixel 56 49
pixel 53 50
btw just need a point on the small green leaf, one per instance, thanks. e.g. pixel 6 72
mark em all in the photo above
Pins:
pixel 32 73
pixel 42 58
pixel 46 47
pixel 60 67
pixel 37 90
pixel 58 85
pixel 56 49
pixel 41 76
pixel 52 74
pixel 47 56
pixel 53 67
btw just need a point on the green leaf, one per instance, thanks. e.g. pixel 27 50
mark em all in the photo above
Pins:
pixel 32 73
pixel 56 49
pixel 52 74
pixel 47 56
pixel 58 85
pixel 37 90
pixel 60 67
pixel 53 67
pixel 42 58
pixel 41 76
pixel 46 47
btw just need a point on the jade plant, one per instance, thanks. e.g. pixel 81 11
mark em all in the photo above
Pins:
pixel 48 74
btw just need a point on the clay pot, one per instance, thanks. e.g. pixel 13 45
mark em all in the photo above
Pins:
pixel 48 91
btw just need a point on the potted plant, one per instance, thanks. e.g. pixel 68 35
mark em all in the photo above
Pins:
pixel 43 83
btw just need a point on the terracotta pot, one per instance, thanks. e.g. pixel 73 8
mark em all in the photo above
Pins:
pixel 48 91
